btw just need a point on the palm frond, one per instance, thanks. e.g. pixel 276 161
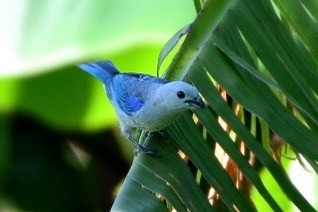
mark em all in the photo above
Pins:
pixel 268 72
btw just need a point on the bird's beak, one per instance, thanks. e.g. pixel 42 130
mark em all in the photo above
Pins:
pixel 196 102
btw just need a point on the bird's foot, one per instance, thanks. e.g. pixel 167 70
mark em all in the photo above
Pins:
pixel 143 150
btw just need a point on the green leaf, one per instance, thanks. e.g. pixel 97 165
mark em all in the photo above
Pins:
pixel 206 163
pixel 278 52
pixel 172 42
pixel 43 36
pixel 159 175
pixel 134 197
pixel 300 20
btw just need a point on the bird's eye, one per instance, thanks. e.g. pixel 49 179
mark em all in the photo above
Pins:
pixel 180 94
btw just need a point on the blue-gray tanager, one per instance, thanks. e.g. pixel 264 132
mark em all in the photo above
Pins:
pixel 142 101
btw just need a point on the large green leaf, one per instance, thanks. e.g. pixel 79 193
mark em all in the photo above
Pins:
pixel 159 175
pixel 41 36
pixel 42 42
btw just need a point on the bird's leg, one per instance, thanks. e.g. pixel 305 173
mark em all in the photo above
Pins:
pixel 141 149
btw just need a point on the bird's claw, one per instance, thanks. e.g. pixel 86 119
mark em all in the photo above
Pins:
pixel 143 150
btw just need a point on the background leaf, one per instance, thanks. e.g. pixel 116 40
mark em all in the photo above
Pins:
pixel 40 86
pixel 44 40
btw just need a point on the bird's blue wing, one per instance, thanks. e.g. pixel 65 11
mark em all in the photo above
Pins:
pixel 131 91
pixel 132 104
pixel 128 91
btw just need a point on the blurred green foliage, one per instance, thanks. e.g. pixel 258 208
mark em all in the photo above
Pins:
pixel 39 76
pixel 58 146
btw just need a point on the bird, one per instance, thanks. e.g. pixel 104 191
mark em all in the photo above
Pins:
pixel 142 101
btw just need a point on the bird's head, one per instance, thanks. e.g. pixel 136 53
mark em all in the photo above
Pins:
pixel 178 95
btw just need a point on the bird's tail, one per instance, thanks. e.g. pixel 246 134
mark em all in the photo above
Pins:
pixel 102 70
